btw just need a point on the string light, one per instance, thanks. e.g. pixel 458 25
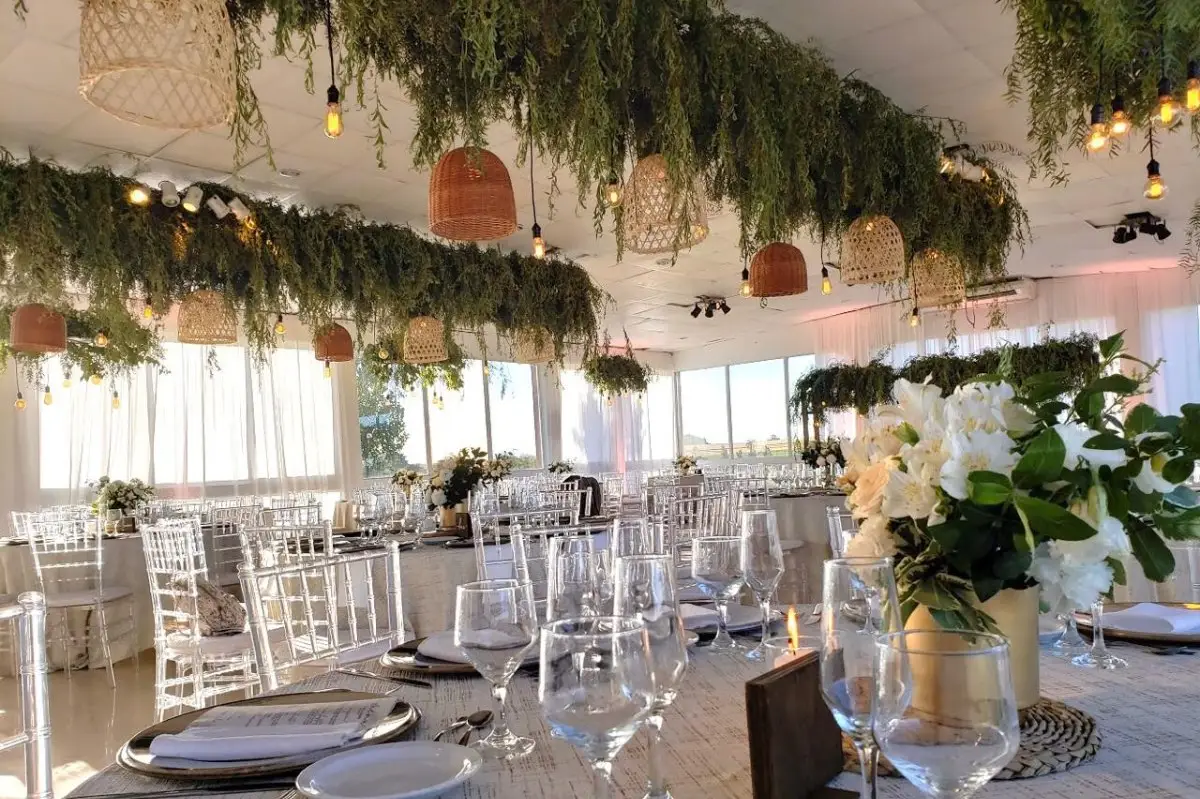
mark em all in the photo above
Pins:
pixel 333 99
pixel 946 165
pixel 20 403
pixel 383 353
pixel 613 192
pixel 1192 99
pixel 826 283
pixel 116 400
pixel 95 379
pixel 1098 139
pixel 101 339
pixel 279 327
pixel 147 310
pixel 328 370
pixel 1120 123
pixel 744 289
pixel 1168 108
pixel 487 369
pixel 539 244
pixel 1155 188
pixel 138 195
pixel 47 397
pixel 914 319
pixel 67 380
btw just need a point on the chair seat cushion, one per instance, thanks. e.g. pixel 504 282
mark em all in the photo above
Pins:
pixel 217 645
pixel 73 599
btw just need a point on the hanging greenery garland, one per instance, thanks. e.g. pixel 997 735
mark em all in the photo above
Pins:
pixel 68 233
pixel 842 386
pixel 128 345
pixel 768 124
pixel 383 359
pixel 616 374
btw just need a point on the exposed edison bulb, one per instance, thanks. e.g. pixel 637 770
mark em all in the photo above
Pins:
pixel 1155 188
pixel 138 195
pixel 101 339
pixel 383 353
pixel 1120 124
pixel 946 165
pixel 826 283
pixel 47 397
pixel 1168 107
pixel 487 369
pixel 914 320
pixel 1098 139
pixel 20 403
pixel 279 327
pixel 333 113
pixel 611 400
pixel 613 192
pixel 1192 98
pixel 328 370
pixel 95 379
pixel 744 289
pixel 539 244
pixel 67 381
pixel 148 311
pixel 116 400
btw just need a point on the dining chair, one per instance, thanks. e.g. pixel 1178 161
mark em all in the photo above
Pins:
pixel 576 502
pixel 191 668
pixel 223 542
pixel 842 527
pixel 68 559
pixel 690 518
pixel 28 612
pixel 327 609
pixel 267 544
pixel 308 514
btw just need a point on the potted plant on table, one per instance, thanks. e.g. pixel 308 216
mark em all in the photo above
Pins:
pixel 561 467
pixel 118 499
pixel 451 482
pixel 993 492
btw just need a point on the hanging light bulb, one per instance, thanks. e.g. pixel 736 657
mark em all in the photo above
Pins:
pixel 487 368
pixel 279 328
pixel 147 310
pixel 1155 188
pixel 613 192
pixel 116 400
pixel 333 113
pixel 1098 139
pixel 138 195
pixel 744 289
pixel 1120 123
pixel 914 320
pixel 1168 107
pixel 611 400
pixel 101 339
pixel 826 283
pixel 1192 99
pixel 539 244
pixel 383 353
pixel 47 397
pixel 328 370
pixel 95 379
pixel 67 380
pixel 20 403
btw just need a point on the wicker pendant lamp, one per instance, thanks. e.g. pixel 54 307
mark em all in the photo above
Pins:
pixel 872 251
pixel 37 330
pixel 471 197
pixel 650 221
pixel 333 344
pixel 778 270
pixel 533 346
pixel 163 63
pixel 425 341
pixel 205 318
pixel 938 279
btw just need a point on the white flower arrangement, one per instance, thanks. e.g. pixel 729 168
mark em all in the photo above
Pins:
pixel 827 453
pixel 561 467
pixel 407 478
pixel 453 478
pixel 121 495
pixel 684 464
pixel 498 468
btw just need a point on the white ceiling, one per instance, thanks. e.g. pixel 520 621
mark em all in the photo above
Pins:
pixel 944 56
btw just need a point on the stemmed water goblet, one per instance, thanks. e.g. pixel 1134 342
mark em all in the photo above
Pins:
pixel 1070 643
pixel 1098 657
pixel 859 604
pixel 596 687
pixel 495 625
pixel 719 573
pixel 645 589
pixel 762 558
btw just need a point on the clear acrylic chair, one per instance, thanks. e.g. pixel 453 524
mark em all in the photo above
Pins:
pixel 329 610
pixel 293 515
pixel 842 526
pixel 266 545
pixel 29 614
pixel 69 563
pixel 690 518
pixel 191 668
pixel 223 544
pixel 573 502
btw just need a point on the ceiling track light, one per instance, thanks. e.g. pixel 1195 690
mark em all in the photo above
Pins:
pixel 170 194
pixel 695 312
pixel 709 309
pixel 218 207
pixel 724 306
pixel 192 199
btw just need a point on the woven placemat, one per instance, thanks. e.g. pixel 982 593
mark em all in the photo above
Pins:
pixel 1054 737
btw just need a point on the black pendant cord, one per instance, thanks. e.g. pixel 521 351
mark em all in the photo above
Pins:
pixel 329 40
pixel 532 190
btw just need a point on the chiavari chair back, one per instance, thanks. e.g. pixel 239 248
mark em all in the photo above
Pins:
pixel 28 612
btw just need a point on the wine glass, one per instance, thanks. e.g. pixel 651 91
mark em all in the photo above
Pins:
pixel 1070 643
pixel 946 713
pixel 645 589
pixel 636 537
pixel 574 586
pixel 494 626
pixel 859 603
pixel 720 574
pixel 1098 657
pixel 596 686
pixel 762 557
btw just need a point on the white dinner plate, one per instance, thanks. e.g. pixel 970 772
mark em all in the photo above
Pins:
pixel 411 770
pixel 440 646
pixel 741 619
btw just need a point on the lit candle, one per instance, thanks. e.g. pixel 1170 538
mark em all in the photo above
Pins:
pixel 793 651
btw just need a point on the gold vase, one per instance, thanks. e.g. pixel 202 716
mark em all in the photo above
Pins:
pixel 1016 616
pixel 449 518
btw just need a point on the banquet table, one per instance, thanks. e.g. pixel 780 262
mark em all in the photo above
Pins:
pixel 1146 715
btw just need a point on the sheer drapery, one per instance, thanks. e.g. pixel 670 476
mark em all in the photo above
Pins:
pixel 623 433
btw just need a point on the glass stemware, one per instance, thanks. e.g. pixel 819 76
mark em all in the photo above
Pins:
pixel 946 713
pixel 580 585
pixel 762 557
pixel 1070 643
pixel 645 589
pixel 636 537
pixel 1098 657
pixel 720 574
pixel 859 603
pixel 495 626
pixel 596 687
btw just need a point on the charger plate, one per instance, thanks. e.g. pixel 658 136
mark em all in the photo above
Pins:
pixel 135 754
pixel 1083 620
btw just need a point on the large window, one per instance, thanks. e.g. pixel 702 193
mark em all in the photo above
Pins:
pixel 658 426
pixel 457 419
pixel 756 392
pixel 513 412
pixel 704 411
pixel 391 425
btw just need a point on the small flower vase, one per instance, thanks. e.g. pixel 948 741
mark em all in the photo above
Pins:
pixel 126 524
pixel 112 517
pixel 449 517
pixel 829 480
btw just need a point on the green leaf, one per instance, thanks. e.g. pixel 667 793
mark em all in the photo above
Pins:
pixel 1178 469
pixel 1182 497
pixel 1118 504
pixel 1114 384
pixel 986 586
pixel 1140 419
pixel 1182 526
pixel 1011 564
pixel 988 488
pixel 908 434
pixel 1088 404
pixel 1111 346
pixel 1143 503
pixel 946 534
pixel 1042 462
pixel 1108 441
pixel 1150 551
pixel 933 594
pixel 1118 570
pixel 1050 412
pixel 1045 386
pixel 1053 521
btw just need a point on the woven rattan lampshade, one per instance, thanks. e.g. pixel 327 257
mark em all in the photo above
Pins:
pixel 651 217
pixel 333 344
pixel 938 279
pixel 37 330
pixel 528 349
pixel 205 318
pixel 471 197
pixel 162 63
pixel 872 251
pixel 425 341
pixel 778 270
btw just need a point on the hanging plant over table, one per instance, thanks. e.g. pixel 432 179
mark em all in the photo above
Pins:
pixel 128 346
pixel 616 374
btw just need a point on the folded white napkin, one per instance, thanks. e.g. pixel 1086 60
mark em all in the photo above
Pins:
pixel 1147 617
pixel 440 646
pixel 257 732
pixel 698 616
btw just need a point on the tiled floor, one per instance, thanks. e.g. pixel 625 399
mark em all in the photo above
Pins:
pixel 89 722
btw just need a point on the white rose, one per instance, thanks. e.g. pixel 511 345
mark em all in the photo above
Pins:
pixel 867 499
pixel 873 540
pixel 437 497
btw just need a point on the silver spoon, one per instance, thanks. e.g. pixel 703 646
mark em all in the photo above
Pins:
pixel 476 721
pixel 481 717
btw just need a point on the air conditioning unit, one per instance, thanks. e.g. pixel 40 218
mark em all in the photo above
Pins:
pixel 1012 289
